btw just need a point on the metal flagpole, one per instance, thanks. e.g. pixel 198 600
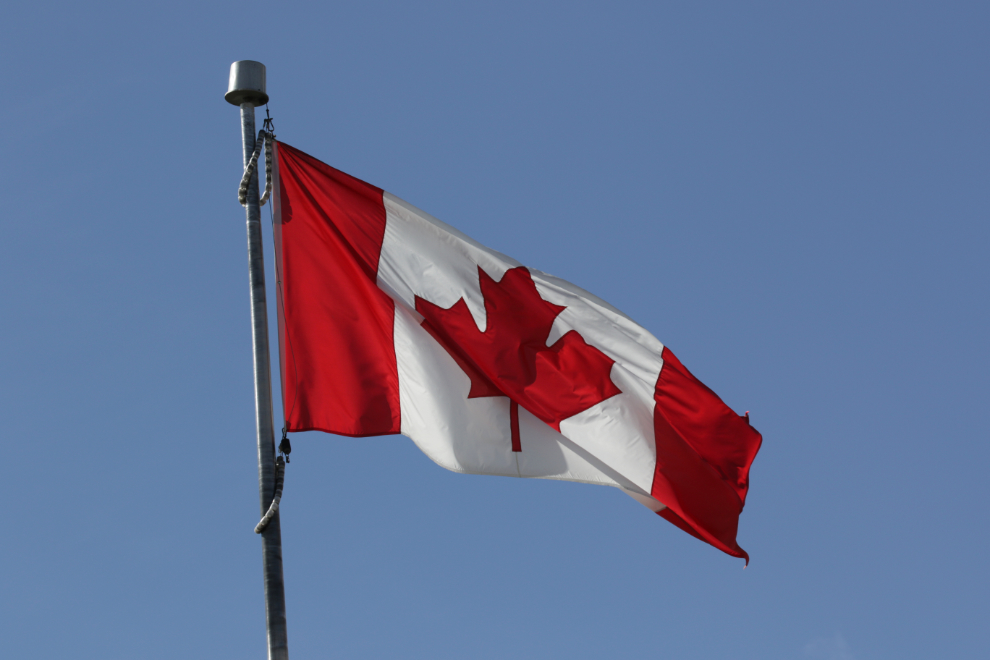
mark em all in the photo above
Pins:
pixel 247 90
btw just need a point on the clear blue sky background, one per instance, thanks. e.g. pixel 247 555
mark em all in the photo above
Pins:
pixel 793 196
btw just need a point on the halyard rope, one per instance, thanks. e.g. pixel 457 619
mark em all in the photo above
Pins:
pixel 269 139
pixel 273 508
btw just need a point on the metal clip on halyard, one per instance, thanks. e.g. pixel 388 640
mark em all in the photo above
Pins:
pixel 269 139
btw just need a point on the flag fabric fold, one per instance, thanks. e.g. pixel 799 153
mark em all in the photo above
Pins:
pixel 391 321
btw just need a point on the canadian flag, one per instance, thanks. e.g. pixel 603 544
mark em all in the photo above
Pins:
pixel 391 321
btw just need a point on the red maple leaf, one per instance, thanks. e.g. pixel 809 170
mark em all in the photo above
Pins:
pixel 511 357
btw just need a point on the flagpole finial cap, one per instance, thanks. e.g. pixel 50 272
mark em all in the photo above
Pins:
pixel 247 83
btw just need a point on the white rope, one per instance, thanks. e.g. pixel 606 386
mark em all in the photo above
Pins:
pixel 269 139
pixel 273 508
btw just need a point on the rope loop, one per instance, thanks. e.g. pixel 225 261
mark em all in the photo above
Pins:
pixel 269 139
pixel 273 508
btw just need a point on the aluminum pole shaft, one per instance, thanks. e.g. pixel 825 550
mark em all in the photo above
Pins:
pixel 271 538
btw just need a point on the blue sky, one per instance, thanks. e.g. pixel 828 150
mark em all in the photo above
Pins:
pixel 792 196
